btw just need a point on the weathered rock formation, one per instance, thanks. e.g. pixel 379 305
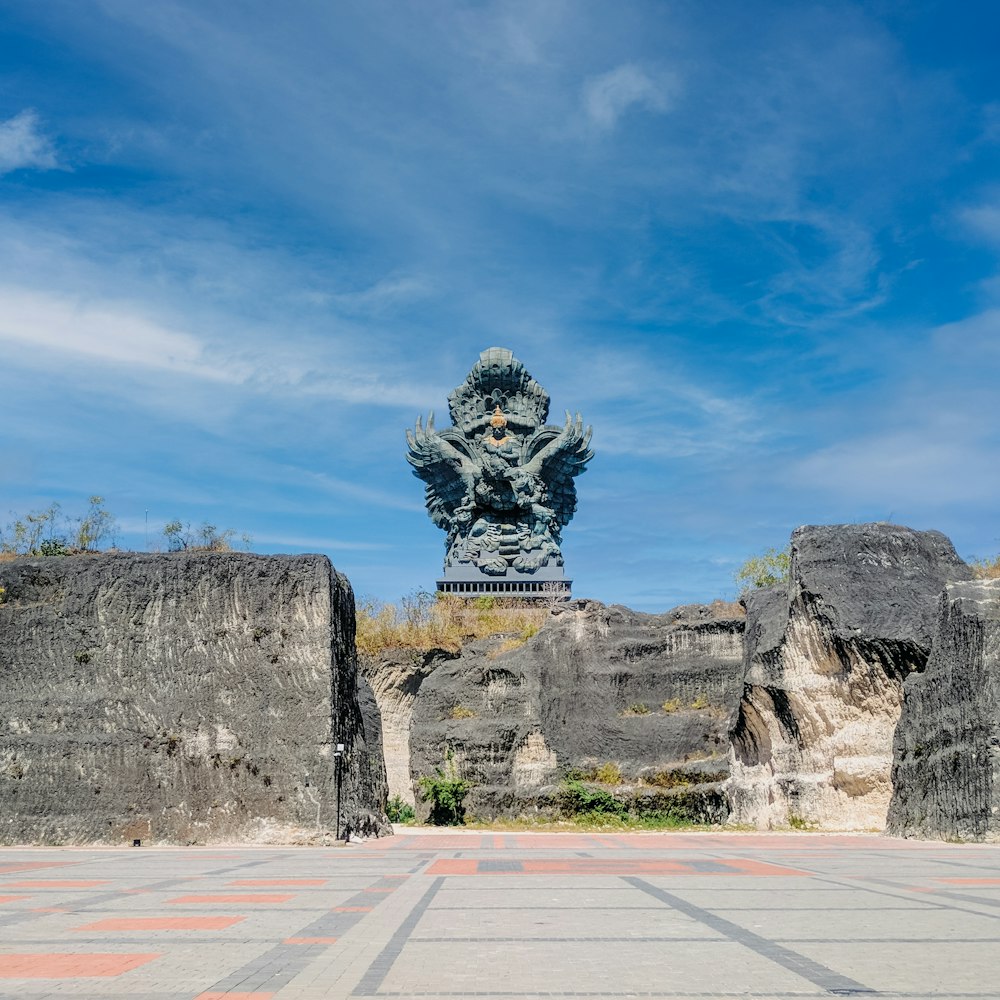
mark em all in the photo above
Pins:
pixel 596 686
pixel 946 768
pixel 395 676
pixel 824 662
pixel 180 698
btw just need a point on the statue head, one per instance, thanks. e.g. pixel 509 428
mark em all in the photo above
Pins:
pixel 498 428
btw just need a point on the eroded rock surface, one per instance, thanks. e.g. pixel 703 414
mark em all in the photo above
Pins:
pixel 824 666
pixel 180 698
pixel 394 677
pixel 649 694
pixel 946 770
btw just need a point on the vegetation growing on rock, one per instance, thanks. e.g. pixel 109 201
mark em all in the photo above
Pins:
pixel 424 621
pixel 768 569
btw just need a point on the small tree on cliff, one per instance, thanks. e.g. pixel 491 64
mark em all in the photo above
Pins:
pixel 769 569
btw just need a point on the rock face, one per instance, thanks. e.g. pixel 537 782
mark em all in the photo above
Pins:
pixel 394 678
pixel 597 686
pixel 946 767
pixel 180 698
pixel 824 664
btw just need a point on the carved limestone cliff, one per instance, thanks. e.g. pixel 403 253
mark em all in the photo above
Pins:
pixel 824 665
pixel 180 698
pixel 946 768
pixel 395 676
pixel 651 694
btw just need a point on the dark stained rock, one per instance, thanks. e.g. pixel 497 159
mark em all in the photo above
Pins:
pixel 946 765
pixel 650 694
pixel 181 698
pixel 824 664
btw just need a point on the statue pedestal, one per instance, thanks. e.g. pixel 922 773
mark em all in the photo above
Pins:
pixel 546 583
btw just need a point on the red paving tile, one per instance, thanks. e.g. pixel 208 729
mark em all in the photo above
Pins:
pixel 311 940
pixel 278 881
pixel 48 909
pixel 969 881
pixel 611 866
pixel 11 899
pixel 548 841
pixel 31 866
pixel 454 866
pixel 67 966
pixel 161 924
pixel 56 884
pixel 242 897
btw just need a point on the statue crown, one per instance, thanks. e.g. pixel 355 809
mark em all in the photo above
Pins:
pixel 498 419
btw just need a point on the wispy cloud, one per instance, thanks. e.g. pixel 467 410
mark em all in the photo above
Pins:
pixel 982 220
pixel 52 324
pixel 610 95
pixel 24 146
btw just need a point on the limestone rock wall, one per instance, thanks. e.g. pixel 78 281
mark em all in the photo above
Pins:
pixel 946 769
pixel 179 698
pixel 651 694
pixel 394 678
pixel 824 664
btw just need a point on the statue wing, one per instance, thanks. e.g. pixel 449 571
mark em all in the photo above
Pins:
pixel 448 471
pixel 557 456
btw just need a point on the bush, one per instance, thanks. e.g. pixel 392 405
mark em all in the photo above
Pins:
pixel 671 705
pixel 637 708
pixel 608 773
pixel 769 569
pixel 577 800
pixel 446 792
pixel 399 811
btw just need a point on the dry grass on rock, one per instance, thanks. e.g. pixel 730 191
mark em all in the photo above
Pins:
pixel 427 621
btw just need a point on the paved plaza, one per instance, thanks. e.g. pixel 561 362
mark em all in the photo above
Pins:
pixel 472 914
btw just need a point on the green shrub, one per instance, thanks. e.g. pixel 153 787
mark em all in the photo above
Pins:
pixel 399 811
pixel 671 705
pixel 576 799
pixel 800 822
pixel 446 792
pixel 766 570
pixel 700 702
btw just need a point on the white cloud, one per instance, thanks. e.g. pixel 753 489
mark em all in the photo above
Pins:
pixel 608 96
pixel 98 331
pixel 22 145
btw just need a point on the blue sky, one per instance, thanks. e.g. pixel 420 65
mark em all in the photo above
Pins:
pixel 243 245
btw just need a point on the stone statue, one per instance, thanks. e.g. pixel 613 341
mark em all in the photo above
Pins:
pixel 500 481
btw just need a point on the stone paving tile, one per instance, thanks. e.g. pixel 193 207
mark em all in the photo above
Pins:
pixel 653 915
